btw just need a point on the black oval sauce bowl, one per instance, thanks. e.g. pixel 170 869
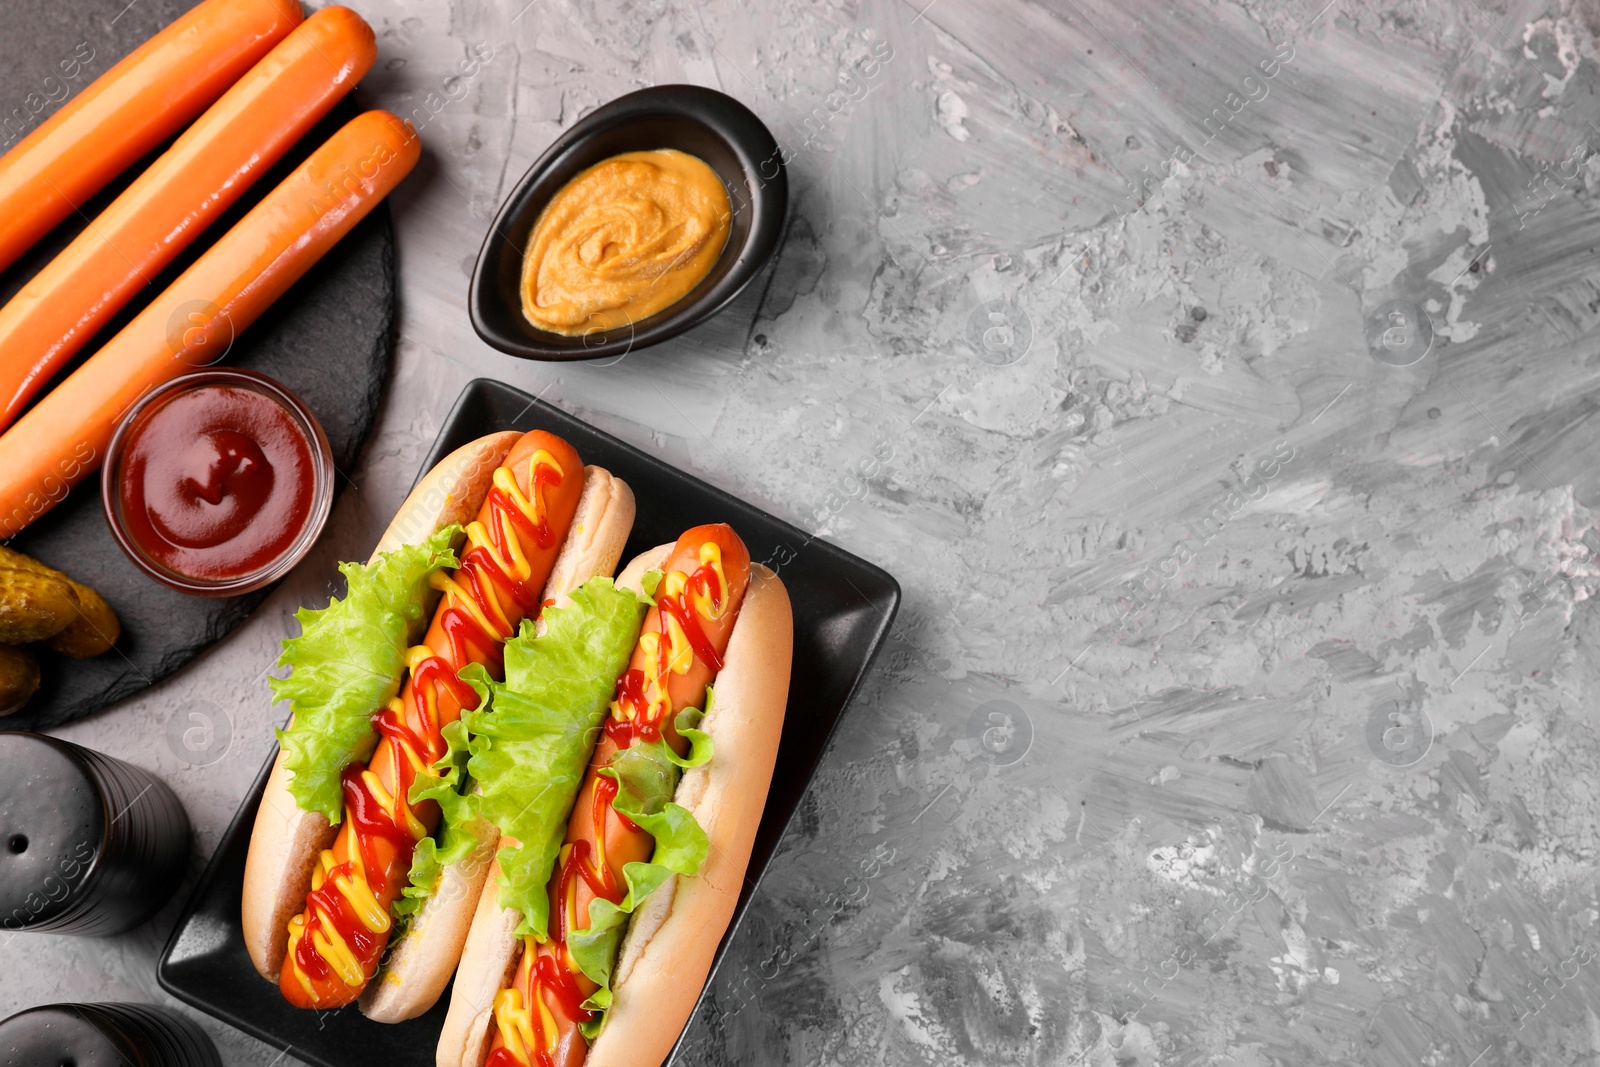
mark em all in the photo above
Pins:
pixel 702 122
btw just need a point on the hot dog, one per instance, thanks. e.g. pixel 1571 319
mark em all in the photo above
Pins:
pixel 146 98
pixel 62 438
pixel 318 903
pixel 178 196
pixel 526 992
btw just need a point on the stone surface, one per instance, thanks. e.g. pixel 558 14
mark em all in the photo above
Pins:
pixel 328 339
pixel 329 342
pixel 1164 766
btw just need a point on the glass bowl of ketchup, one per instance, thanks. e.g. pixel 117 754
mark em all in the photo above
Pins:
pixel 218 482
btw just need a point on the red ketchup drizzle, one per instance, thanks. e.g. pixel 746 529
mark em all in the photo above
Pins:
pixel 500 500
pixel 465 634
pixel 345 922
pixel 630 694
pixel 558 980
pixel 391 727
pixel 548 974
pixel 542 477
pixel 371 820
pixel 441 674
pixel 538 532
pixel 310 960
pixel 605 794
pixel 705 580
pixel 519 592
pixel 600 882
pixel 690 622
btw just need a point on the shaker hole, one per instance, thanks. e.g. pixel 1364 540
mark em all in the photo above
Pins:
pixel 18 845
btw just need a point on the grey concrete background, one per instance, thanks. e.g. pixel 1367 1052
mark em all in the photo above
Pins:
pixel 1240 711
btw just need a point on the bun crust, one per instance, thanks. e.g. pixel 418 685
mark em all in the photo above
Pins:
pixel 452 491
pixel 632 576
pixel 284 846
pixel 488 960
pixel 418 967
pixel 664 964
pixel 286 840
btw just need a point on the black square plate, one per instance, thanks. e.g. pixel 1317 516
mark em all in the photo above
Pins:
pixel 843 608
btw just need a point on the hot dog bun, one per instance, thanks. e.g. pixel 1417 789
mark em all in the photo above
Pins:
pixel 419 966
pixel 667 953
pixel 487 960
pixel 672 939
pixel 286 840
pixel 492 947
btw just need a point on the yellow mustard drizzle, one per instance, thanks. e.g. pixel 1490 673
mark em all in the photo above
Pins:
pixel 547 1023
pixel 478 533
pixel 507 483
pixel 571 903
pixel 297 929
pixel 599 864
pixel 457 597
pixel 332 948
pixel 427 699
pixel 680 654
pixel 373 916
pixel 358 892
pixel 655 692
pixel 711 556
pixel 516 1026
pixel 514 1017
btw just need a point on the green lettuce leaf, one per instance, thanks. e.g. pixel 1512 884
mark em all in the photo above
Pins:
pixel 460 826
pixel 650 581
pixel 688 726
pixel 347 664
pixel 532 737
pixel 424 877
pixel 647 778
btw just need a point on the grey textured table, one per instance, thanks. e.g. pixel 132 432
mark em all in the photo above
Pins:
pixel 1241 711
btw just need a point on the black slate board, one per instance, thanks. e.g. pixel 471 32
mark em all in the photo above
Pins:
pixel 843 607
pixel 328 340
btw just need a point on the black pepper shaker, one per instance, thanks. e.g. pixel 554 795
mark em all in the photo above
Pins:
pixel 89 845
pixel 104 1035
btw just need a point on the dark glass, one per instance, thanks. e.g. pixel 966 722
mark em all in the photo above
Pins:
pixel 217 482
pixel 104 1035
pixel 89 845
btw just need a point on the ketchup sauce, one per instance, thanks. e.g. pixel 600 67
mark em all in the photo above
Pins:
pixel 217 482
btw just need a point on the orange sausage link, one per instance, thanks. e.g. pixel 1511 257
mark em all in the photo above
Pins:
pixel 125 113
pixel 561 505
pixel 62 439
pixel 624 846
pixel 183 192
